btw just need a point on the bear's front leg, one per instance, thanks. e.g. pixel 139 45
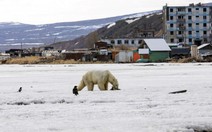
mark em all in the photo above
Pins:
pixel 106 86
pixel 101 86
pixel 90 86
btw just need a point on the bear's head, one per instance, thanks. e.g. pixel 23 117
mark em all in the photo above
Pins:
pixel 75 91
pixel 115 84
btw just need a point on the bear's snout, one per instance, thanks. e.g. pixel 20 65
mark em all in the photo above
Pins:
pixel 114 88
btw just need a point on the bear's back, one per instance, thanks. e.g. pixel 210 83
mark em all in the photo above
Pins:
pixel 96 75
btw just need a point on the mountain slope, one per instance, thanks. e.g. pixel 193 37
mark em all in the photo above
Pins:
pixel 125 27
pixel 14 33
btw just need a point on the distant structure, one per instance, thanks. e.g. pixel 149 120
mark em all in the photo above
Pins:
pixel 188 24
pixel 133 39
pixel 123 41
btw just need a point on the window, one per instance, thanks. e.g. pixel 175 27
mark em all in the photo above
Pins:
pixel 190 32
pixel 189 9
pixel 205 32
pixel 197 24
pixel 171 17
pixel 119 42
pixel 204 17
pixel 197 9
pixel 190 40
pixel 204 24
pixel 171 25
pixel 189 17
pixel 180 40
pixel 204 9
pixel 171 32
pixel 132 42
pixel 197 16
pixel 112 42
pixel 171 10
pixel 172 40
pixel 190 25
pixel 139 42
pixel 181 9
pixel 126 42
pixel 179 32
pixel 197 31
pixel 180 17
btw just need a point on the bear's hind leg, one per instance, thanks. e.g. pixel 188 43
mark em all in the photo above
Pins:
pixel 106 86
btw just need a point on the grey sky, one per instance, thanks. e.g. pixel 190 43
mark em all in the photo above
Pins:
pixel 51 11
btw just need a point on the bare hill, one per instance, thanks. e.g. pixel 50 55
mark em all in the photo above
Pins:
pixel 126 27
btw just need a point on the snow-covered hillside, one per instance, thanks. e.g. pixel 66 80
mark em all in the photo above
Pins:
pixel 143 104
pixel 13 33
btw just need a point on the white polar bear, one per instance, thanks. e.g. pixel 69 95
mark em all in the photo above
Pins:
pixel 98 77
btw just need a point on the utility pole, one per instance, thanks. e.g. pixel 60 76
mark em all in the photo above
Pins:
pixel 54 40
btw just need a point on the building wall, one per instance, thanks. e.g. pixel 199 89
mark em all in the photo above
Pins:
pixel 124 56
pixel 187 23
pixel 207 51
pixel 4 57
pixel 158 56
pixel 126 41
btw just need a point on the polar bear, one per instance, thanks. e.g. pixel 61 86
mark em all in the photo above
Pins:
pixel 101 78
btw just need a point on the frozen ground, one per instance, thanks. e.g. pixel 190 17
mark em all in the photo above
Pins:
pixel 143 104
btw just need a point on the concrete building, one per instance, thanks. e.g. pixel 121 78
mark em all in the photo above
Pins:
pixel 188 24
pixel 123 41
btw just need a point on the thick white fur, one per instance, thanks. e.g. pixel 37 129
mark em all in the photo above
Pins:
pixel 101 78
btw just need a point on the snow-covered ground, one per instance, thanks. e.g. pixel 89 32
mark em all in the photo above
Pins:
pixel 143 104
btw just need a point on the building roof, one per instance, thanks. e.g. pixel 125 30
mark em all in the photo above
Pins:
pixel 157 44
pixel 202 46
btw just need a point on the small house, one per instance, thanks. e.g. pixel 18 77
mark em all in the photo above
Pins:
pixel 4 56
pixel 14 52
pixel 154 50
pixel 48 53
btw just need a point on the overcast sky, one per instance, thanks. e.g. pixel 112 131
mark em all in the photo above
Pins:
pixel 52 11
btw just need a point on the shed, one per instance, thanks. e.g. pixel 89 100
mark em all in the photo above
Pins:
pixel 154 50
pixel 180 52
pixel 136 56
pixel 205 50
pixel 70 55
pixel 124 56
pixel 100 44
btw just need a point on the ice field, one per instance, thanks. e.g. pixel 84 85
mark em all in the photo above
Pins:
pixel 46 103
